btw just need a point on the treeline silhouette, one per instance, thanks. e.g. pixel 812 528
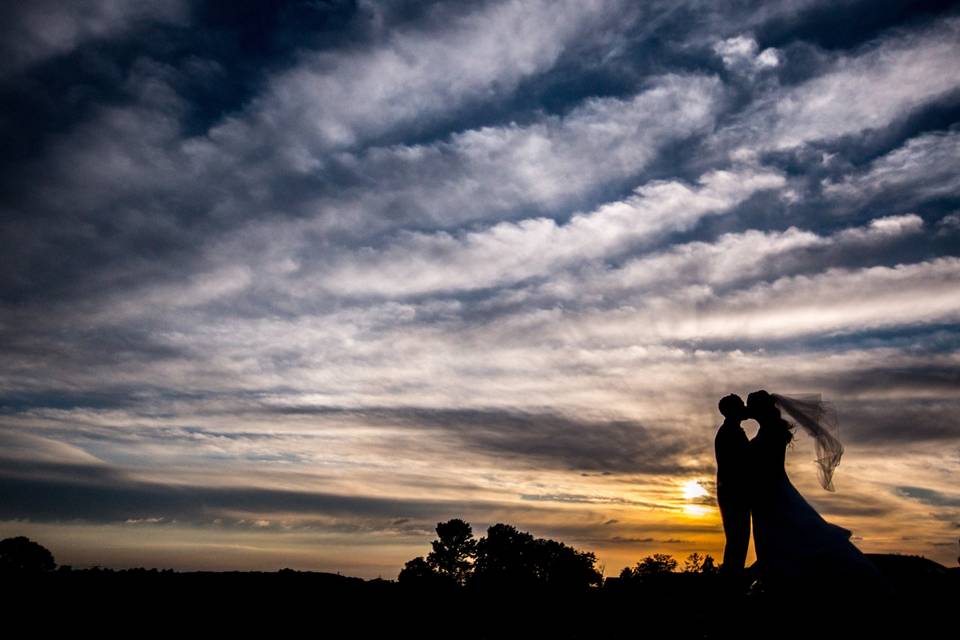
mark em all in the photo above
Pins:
pixel 507 584
pixel 508 559
pixel 504 559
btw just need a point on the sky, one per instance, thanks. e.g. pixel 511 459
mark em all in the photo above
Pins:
pixel 284 284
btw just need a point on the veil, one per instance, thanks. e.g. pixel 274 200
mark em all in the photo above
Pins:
pixel 819 419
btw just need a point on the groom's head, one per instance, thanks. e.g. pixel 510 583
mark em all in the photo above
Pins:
pixel 731 407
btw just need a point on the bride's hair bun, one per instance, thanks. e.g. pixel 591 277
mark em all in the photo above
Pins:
pixel 766 401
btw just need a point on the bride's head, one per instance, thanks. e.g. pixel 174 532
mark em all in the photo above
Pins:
pixel 762 407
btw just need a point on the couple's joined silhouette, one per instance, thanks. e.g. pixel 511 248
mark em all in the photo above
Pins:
pixel 797 550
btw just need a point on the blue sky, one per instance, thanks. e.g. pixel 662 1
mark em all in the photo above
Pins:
pixel 287 283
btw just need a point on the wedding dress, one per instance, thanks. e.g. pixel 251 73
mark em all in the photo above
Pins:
pixel 794 544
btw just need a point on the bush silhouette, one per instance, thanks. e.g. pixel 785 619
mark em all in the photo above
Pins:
pixel 22 555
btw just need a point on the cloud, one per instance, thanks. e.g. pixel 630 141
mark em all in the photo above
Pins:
pixel 841 300
pixel 741 54
pixel 532 439
pixel 80 488
pixel 576 498
pixel 515 251
pixel 733 258
pixel 411 77
pixel 921 169
pixel 120 501
pixel 884 81
pixel 20 447
pixel 949 224
pixel 352 279
pixel 36 31
pixel 496 171
pixel 849 505
pixel 929 496
pixel 890 417
pixel 134 154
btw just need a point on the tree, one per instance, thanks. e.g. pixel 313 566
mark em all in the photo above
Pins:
pixel 558 566
pixel 709 566
pixel 504 558
pixel 693 563
pixel 511 559
pixel 453 550
pixel 419 573
pixel 22 555
pixel 657 564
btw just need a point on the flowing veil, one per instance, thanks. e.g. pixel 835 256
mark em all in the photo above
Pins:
pixel 819 419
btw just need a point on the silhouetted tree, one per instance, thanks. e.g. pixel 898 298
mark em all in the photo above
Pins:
pixel 558 566
pixel 709 566
pixel 22 555
pixel 657 564
pixel 504 558
pixel 419 573
pixel 453 550
pixel 510 559
pixel 693 563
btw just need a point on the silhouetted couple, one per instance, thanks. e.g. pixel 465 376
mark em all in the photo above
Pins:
pixel 796 548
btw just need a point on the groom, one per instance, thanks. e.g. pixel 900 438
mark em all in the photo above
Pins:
pixel 731 448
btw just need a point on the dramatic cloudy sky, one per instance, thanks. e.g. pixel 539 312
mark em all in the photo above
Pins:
pixel 286 284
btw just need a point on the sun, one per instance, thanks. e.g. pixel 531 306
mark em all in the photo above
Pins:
pixel 693 490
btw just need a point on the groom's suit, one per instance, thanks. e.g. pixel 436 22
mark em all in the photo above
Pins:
pixel 732 450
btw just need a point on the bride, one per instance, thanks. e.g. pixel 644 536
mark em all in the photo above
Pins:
pixel 795 546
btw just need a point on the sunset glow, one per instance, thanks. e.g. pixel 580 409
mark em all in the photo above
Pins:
pixel 693 489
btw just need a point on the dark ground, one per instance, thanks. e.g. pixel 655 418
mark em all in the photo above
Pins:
pixel 138 601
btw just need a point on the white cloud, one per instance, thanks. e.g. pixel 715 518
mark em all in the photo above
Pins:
pixel 493 172
pixel 741 54
pixel 924 167
pixel 332 101
pixel 508 252
pixel 732 258
pixel 835 301
pixel 883 228
pixel 883 82
pixel 871 89
pixel 841 300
